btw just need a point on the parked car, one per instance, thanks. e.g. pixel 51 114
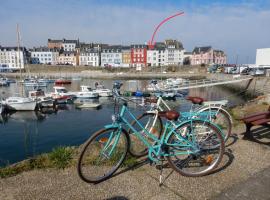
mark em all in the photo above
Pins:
pixel 257 72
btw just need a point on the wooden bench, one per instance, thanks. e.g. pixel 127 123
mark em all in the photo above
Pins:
pixel 256 119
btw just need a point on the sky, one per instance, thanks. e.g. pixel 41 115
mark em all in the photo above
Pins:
pixel 238 27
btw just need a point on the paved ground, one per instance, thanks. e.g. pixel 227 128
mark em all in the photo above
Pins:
pixel 255 187
pixel 244 172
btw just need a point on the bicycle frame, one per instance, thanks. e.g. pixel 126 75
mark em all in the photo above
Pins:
pixel 154 150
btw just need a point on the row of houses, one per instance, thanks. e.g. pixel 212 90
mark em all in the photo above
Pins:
pixel 73 52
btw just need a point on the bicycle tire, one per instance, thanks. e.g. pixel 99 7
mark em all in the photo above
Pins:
pixel 88 171
pixel 192 157
pixel 226 131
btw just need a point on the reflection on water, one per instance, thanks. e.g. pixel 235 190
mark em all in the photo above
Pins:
pixel 26 134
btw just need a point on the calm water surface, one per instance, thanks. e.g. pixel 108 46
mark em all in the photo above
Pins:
pixel 26 134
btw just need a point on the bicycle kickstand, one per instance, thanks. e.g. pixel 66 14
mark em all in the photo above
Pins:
pixel 160 174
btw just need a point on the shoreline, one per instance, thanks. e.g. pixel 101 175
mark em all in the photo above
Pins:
pixel 236 112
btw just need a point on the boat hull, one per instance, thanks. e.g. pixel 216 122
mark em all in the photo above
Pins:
pixel 31 105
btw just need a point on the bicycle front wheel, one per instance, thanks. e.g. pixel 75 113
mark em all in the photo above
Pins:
pixel 195 148
pixel 102 155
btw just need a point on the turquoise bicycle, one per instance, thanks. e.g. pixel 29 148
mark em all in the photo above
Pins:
pixel 192 148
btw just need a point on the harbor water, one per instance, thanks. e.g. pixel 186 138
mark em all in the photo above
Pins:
pixel 26 134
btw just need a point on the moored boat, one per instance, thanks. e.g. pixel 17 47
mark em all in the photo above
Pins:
pixel 61 81
pixel 102 91
pixel 41 99
pixel 19 103
pixel 86 92
pixel 4 82
pixel 61 95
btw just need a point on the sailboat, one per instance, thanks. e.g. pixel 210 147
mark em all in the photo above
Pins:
pixel 19 103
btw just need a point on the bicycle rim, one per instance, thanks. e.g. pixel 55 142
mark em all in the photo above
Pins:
pixel 102 155
pixel 201 158
pixel 222 119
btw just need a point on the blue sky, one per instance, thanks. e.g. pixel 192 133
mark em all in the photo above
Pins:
pixel 237 27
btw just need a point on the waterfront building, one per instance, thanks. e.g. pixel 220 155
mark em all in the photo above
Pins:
pixel 55 44
pixel 263 57
pixel 126 56
pixel 13 59
pixel 207 55
pixel 89 57
pixel 70 45
pixel 156 56
pixel 111 56
pixel 67 58
pixel 44 55
pixel 174 52
pixel 64 44
pixel 139 55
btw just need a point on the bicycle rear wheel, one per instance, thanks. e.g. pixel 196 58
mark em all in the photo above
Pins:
pixel 102 155
pixel 198 161
pixel 221 118
pixel 153 124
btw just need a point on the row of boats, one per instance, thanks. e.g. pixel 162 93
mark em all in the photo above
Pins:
pixel 39 99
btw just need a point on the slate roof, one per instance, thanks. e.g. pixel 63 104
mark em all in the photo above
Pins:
pixel 198 50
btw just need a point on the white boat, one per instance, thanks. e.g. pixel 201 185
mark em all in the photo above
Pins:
pixel 33 83
pixel 61 95
pixel 4 82
pixel 86 92
pixel 45 80
pixel 41 99
pixel 102 91
pixel 19 103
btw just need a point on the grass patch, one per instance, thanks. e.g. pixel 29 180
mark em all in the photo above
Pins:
pixel 59 158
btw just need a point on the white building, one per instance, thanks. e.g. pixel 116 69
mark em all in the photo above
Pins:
pixel 69 45
pixel 44 55
pixel 11 58
pixel 111 57
pixel 156 57
pixel 89 57
pixel 263 57
pixel 174 52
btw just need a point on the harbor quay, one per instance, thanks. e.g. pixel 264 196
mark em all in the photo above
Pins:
pixel 52 173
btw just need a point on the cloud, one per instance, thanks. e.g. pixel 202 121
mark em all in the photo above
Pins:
pixel 237 29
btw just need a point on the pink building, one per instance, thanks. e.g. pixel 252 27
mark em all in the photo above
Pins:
pixel 207 55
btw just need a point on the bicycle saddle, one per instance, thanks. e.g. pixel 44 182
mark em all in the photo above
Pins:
pixel 151 100
pixel 169 115
pixel 196 100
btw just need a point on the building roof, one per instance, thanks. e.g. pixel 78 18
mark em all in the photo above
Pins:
pixel 89 51
pixel 198 50
pixel 171 42
pixel 67 52
pixel 138 46
pixel 219 51
pixel 12 48
pixel 64 41
pixel 112 49
pixel 44 49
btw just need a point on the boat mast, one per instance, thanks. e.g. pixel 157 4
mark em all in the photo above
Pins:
pixel 18 45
